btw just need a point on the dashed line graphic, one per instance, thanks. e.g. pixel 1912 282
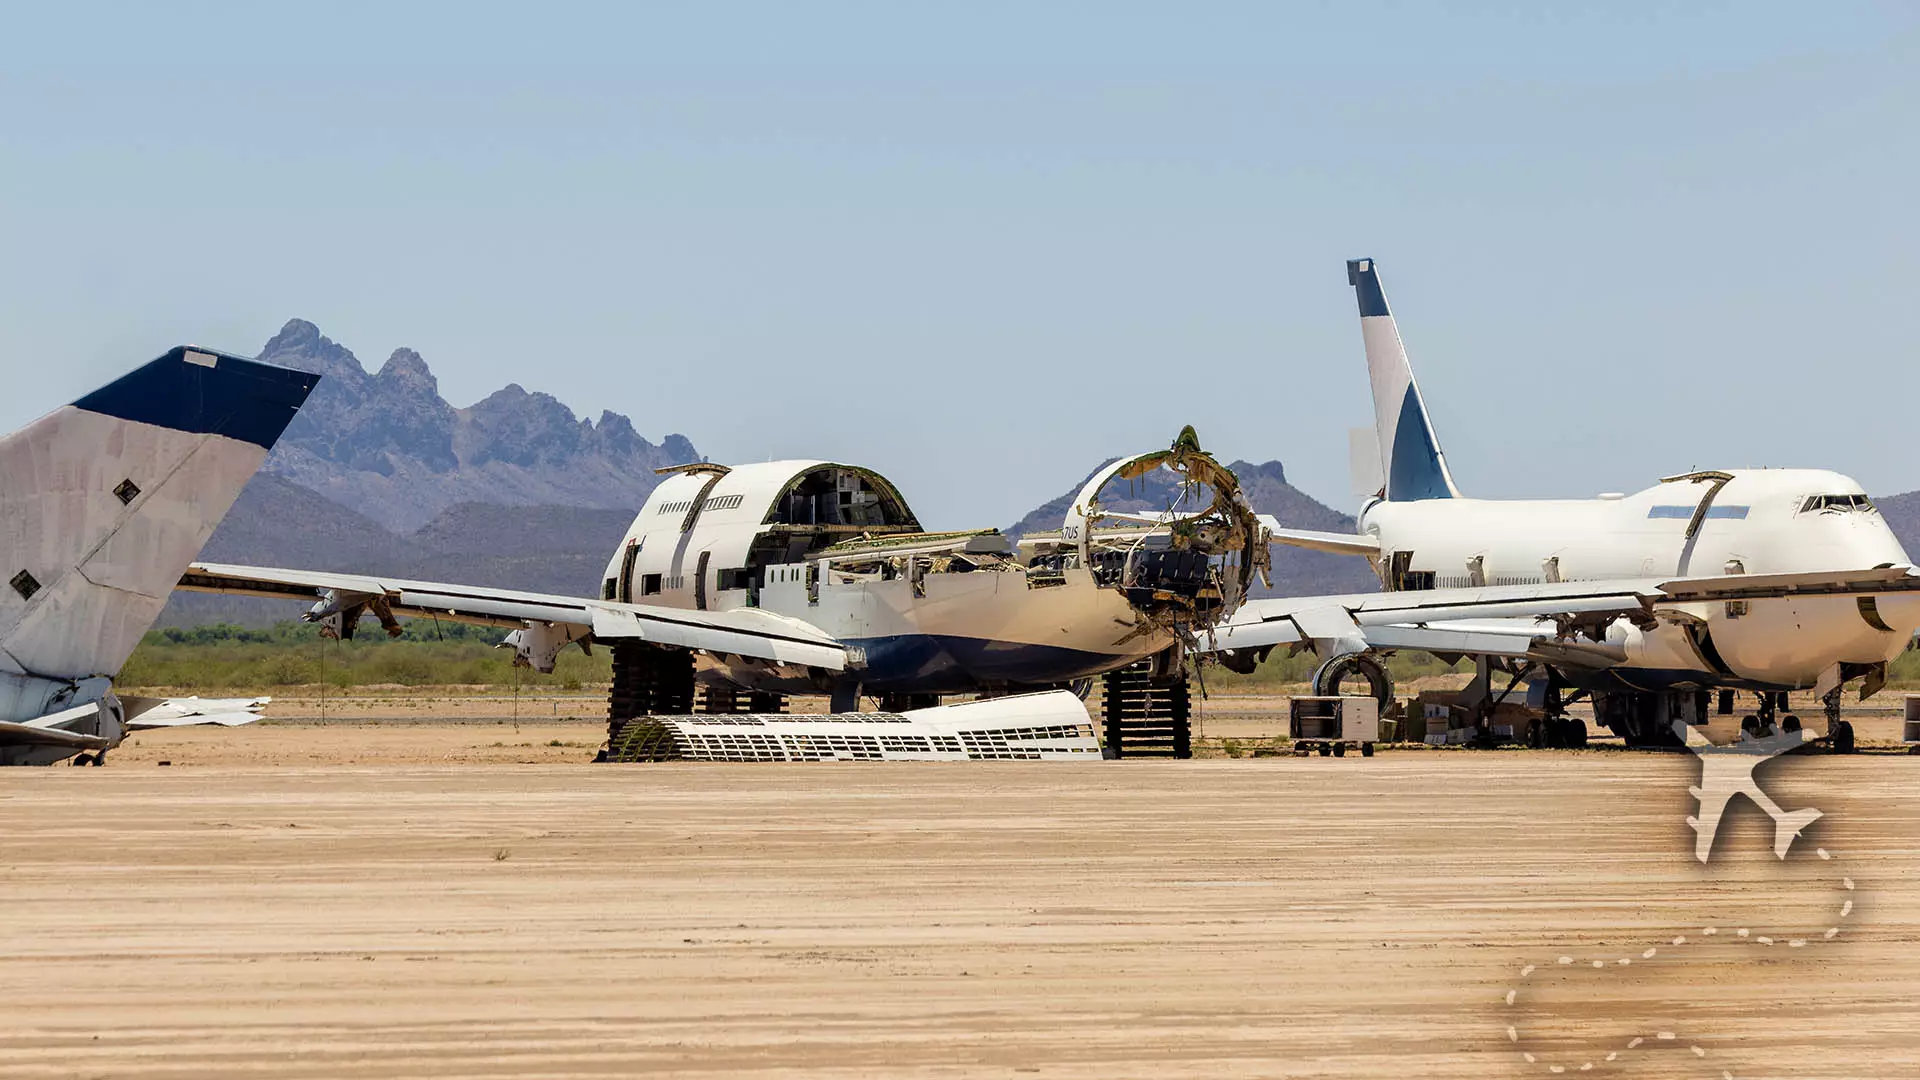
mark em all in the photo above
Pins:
pixel 1725 771
pixel 1513 995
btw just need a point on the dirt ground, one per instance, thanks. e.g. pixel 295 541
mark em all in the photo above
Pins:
pixel 1250 719
pixel 371 900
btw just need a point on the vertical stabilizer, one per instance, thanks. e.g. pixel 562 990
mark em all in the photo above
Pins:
pixel 104 502
pixel 1409 451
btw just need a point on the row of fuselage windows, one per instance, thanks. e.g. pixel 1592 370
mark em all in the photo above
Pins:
pixel 1466 581
pixel 724 580
pixel 655 584
pixel 720 502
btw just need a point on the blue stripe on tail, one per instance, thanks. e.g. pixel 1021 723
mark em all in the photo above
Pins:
pixel 213 394
pixel 1414 472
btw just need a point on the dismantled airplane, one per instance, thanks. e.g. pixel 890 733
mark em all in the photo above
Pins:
pixel 107 501
pixel 1765 580
pixel 758 581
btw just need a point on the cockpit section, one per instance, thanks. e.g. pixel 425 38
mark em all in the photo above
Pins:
pixel 1838 504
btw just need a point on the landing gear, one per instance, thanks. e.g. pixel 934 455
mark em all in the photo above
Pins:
pixel 1646 719
pixel 1840 737
pixel 1557 733
pixel 1839 732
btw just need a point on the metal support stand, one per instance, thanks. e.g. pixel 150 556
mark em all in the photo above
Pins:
pixel 1146 716
pixel 647 681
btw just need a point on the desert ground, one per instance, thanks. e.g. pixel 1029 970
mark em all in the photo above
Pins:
pixel 307 899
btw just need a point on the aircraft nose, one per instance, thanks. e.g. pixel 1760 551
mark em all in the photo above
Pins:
pixel 1899 611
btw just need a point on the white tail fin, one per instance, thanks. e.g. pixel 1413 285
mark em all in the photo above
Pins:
pixel 104 502
pixel 1409 452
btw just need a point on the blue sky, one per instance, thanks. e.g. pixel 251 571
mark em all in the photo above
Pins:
pixel 981 247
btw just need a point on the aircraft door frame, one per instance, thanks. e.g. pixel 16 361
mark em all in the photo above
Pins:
pixel 623 589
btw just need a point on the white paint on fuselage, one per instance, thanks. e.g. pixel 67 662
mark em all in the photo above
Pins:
pixel 994 624
pixel 1786 643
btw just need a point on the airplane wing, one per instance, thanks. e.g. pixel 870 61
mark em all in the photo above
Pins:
pixel 1312 540
pixel 1521 620
pixel 548 622
pixel 189 711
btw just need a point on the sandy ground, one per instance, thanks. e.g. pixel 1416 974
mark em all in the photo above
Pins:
pixel 333 910
pixel 1249 719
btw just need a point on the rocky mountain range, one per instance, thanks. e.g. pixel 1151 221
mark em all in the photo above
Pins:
pixel 388 445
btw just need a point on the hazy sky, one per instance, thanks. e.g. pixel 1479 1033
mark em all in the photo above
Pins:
pixel 979 247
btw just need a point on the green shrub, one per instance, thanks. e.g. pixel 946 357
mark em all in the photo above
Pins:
pixel 224 658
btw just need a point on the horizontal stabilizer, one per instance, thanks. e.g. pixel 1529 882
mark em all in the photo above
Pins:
pixel 1337 543
pixel 12 734
pixel 191 711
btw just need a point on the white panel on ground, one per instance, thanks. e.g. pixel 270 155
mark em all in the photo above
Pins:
pixel 1031 727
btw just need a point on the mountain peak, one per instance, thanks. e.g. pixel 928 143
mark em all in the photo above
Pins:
pixel 390 446
pixel 301 345
pixel 1248 472
pixel 296 334
pixel 407 369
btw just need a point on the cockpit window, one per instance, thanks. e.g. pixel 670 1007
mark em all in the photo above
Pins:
pixel 1837 504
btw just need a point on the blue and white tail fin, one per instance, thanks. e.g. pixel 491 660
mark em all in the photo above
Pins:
pixel 104 502
pixel 1409 451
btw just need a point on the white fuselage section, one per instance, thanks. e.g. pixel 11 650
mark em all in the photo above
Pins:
pixel 762 536
pixel 1741 522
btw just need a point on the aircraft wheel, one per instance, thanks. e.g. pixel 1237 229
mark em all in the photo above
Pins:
pixel 1750 726
pixel 1790 723
pixel 81 759
pixel 1576 734
pixel 1324 749
pixel 1366 749
pixel 1339 749
pixel 1535 737
pixel 1842 737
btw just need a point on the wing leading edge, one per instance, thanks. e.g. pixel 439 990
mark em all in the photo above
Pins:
pixel 1507 620
pixel 544 623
